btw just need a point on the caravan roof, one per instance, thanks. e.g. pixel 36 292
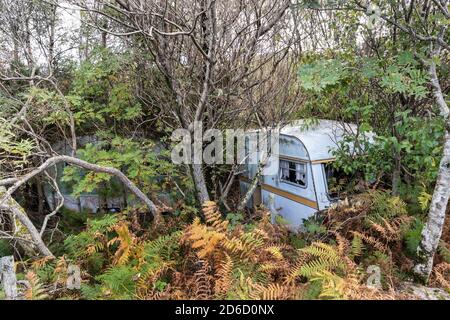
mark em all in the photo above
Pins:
pixel 319 137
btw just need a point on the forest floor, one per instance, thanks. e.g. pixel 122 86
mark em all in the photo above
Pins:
pixel 362 249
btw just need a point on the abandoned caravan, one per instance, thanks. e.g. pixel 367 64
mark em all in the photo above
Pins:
pixel 300 185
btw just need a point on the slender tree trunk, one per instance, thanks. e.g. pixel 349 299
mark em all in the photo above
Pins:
pixel 125 197
pixel 51 39
pixel 253 185
pixel 18 212
pixel 200 183
pixel 250 192
pixel 28 46
pixel 105 35
pixel 16 52
pixel 432 231
pixel 102 198
pixel 41 197
pixel 396 175
pixel 208 27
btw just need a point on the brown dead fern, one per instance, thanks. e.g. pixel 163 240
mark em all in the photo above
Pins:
pixel 224 277
pixel 202 282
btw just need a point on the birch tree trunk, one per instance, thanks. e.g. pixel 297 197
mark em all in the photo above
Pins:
pixel 200 184
pixel 432 231
pixel 253 185
pixel 18 212
pixel 250 192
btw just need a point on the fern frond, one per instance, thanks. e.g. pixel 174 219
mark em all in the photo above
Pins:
pixel 61 270
pixel 296 270
pixel 273 291
pixel 323 257
pixel 204 240
pixel 343 244
pixel 150 276
pixel 315 266
pixel 35 290
pixel 387 231
pixel 95 247
pixel 371 241
pixel 164 246
pixel 246 245
pixel 333 286
pixel 441 274
pixel 214 217
pixel 41 262
pixel 202 281
pixel 224 277
pixel 245 286
pixel 357 246
pixel 127 242
pixel 268 267
pixel 276 250
pixel 322 251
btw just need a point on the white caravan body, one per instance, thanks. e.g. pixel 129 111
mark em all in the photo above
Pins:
pixel 299 189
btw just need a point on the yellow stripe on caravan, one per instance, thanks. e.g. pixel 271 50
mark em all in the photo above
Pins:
pixel 294 159
pixel 323 161
pixel 285 194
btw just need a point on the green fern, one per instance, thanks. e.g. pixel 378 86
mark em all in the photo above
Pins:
pixel 313 291
pixel 118 282
pixel 76 246
pixel 333 286
pixel 246 245
pixel 357 247
pixel 314 227
pixel 424 200
pixel 103 224
pixel 324 258
pixel 412 235
pixel 91 292
pixel 46 273
pixel 444 251
pixel 384 205
pixel 164 247
pixel 313 267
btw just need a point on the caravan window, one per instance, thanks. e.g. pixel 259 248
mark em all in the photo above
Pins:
pixel 293 172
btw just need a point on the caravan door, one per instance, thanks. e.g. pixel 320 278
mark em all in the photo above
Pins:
pixel 292 189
